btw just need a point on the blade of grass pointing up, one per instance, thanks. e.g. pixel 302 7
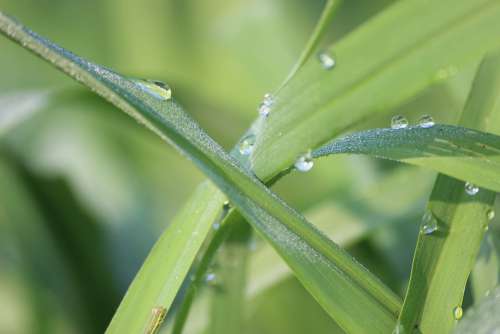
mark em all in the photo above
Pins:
pixel 347 291
pixel 453 226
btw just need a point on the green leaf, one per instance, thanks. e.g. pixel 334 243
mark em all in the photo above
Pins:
pixel 452 230
pixel 347 291
pixel 482 318
pixel 463 153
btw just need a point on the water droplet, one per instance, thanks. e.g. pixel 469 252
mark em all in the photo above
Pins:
pixel 490 214
pixel 471 189
pixel 158 89
pixel 252 245
pixel 446 72
pixel 326 60
pixel 304 163
pixel 266 104
pixel 486 228
pixel 226 205
pixel 429 223
pixel 216 226
pixel 399 122
pixel 247 144
pixel 399 329
pixel 458 313
pixel 211 279
pixel 426 121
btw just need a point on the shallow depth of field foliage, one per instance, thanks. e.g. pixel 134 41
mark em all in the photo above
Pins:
pixel 359 196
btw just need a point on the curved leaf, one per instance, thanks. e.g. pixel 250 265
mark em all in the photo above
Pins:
pixel 463 153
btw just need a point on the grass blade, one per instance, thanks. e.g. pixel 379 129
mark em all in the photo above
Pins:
pixel 326 16
pixel 342 286
pixel 454 225
pixel 463 153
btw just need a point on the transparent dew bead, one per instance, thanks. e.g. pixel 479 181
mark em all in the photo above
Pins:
pixel 247 145
pixel 156 88
pixel 399 122
pixel 266 104
pixel 426 121
pixel 471 189
pixel 429 223
pixel 458 313
pixel 326 60
pixel 490 214
pixel 211 279
pixel 399 329
pixel 304 163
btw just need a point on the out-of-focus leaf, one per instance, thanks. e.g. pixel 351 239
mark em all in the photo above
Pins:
pixel 16 107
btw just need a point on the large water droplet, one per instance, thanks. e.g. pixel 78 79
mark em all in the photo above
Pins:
pixel 458 312
pixel 429 223
pixel 399 122
pixel 247 145
pixel 490 214
pixel 471 189
pixel 158 89
pixel 266 104
pixel 326 60
pixel 304 163
pixel 426 121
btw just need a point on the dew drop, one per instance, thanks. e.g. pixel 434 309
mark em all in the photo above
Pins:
pixel 471 189
pixel 211 279
pixel 490 214
pixel 426 121
pixel 399 329
pixel 226 205
pixel 158 89
pixel 266 104
pixel 326 60
pixel 304 163
pixel 399 122
pixel 216 226
pixel 247 145
pixel 458 312
pixel 429 223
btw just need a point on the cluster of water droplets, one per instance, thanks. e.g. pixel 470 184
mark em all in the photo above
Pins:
pixel 266 105
pixel 400 122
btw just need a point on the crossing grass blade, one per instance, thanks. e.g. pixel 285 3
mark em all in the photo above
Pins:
pixel 347 291
pixel 445 257
pixel 463 153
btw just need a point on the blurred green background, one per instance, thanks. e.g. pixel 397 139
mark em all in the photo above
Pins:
pixel 85 191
